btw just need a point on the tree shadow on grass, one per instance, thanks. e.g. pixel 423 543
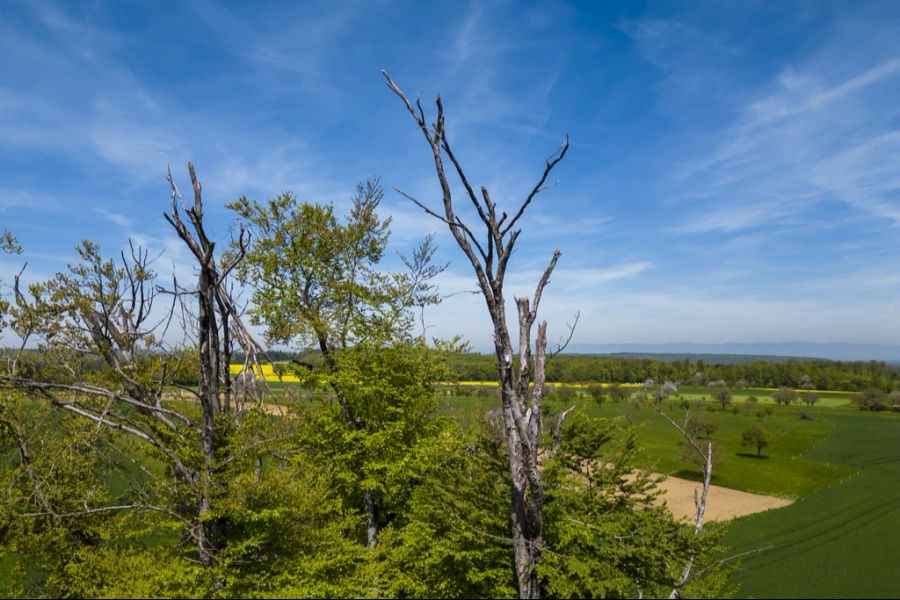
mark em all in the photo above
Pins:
pixel 688 474
pixel 748 455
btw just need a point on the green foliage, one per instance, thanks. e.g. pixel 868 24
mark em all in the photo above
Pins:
pixel 870 399
pixel 618 393
pixel 817 374
pixel 597 393
pixel 8 243
pixel 388 391
pixel 702 426
pixel 316 278
pixel 603 536
pixel 723 396
pixel 786 396
pixel 756 436
pixel 453 541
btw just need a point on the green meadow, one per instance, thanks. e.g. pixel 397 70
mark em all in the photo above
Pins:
pixel 840 537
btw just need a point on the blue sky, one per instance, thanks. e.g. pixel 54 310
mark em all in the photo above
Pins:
pixel 734 173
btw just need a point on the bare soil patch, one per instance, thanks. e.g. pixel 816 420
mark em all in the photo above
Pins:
pixel 722 503
pixel 279 410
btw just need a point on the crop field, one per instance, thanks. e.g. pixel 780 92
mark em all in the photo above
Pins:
pixel 839 541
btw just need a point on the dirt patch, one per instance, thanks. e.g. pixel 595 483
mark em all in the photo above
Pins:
pixel 722 503
pixel 279 410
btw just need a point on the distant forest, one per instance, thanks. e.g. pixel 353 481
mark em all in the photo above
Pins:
pixel 738 371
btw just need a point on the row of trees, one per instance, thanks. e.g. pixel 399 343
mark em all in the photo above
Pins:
pixel 121 479
pixel 819 374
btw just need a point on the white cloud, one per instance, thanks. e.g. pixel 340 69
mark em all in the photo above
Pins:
pixel 809 140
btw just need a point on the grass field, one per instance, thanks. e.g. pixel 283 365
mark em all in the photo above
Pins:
pixel 783 471
pixel 840 541
pixel 840 538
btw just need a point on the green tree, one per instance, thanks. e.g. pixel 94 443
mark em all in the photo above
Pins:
pixel 723 396
pixel 318 284
pixel 810 398
pixel 103 362
pixel 618 393
pixel 784 395
pixel 756 436
pixel 702 426
pixel 597 393
pixel 869 398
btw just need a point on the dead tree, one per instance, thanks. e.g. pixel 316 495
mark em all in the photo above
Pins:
pixel 104 309
pixel 522 387
pixel 700 497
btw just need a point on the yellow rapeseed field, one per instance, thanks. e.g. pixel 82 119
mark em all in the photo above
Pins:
pixel 268 373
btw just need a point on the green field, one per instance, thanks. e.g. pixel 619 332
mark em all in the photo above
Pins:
pixel 840 541
pixel 783 471
pixel 840 538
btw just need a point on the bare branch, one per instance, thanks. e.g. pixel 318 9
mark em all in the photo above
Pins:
pixel 551 162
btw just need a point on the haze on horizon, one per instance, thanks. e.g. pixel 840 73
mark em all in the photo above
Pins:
pixel 734 173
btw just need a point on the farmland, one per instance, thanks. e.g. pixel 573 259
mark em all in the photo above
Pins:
pixel 838 538
pixel 838 541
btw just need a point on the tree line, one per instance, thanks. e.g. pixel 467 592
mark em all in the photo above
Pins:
pixel 818 374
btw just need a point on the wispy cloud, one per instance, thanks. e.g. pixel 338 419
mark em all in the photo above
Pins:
pixel 126 223
pixel 808 141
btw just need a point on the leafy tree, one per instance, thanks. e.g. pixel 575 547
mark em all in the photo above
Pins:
pixel 810 398
pixel 317 283
pixel 603 538
pixel 8 243
pixel 702 426
pixel 756 436
pixel 617 393
pixel 723 396
pixel 784 395
pixel 894 398
pixel 868 399
pixel 597 393
pixel 453 540
pixel 185 446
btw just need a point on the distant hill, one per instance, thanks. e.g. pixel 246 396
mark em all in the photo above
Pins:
pixel 771 351
pixel 710 359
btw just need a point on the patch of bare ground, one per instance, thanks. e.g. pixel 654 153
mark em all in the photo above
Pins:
pixel 722 503
pixel 270 408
